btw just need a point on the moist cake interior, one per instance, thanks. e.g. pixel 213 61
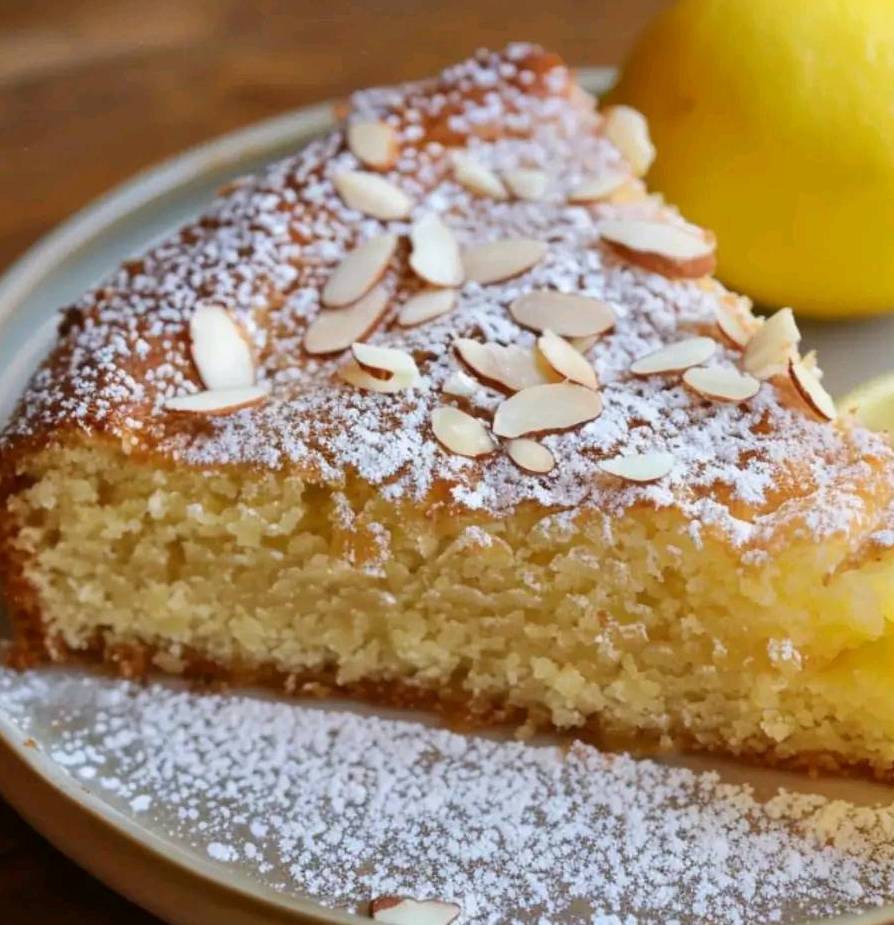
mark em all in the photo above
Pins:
pixel 679 640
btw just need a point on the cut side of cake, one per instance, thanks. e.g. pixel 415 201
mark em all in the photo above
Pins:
pixel 447 409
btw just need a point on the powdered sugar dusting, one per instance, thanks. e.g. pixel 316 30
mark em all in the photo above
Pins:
pixel 267 246
pixel 348 807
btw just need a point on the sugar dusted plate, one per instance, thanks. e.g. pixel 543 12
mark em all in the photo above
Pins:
pixel 233 809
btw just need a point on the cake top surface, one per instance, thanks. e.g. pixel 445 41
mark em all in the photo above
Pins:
pixel 530 141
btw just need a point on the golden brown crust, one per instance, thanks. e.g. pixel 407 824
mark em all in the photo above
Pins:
pixel 30 645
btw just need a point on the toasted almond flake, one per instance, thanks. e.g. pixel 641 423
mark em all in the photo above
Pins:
pixel 335 330
pixel 354 374
pixel 593 189
pixel 773 346
pixel 634 191
pixel 373 195
pixel 810 362
pixel 639 467
pixel 530 455
pixel 460 432
pixel 387 365
pixel 373 143
pixel 220 349
pixel 731 325
pixel 672 241
pixel 661 247
pixel 499 260
pixel 811 390
pixel 426 305
pixel 628 130
pixel 218 401
pixel 359 271
pixel 583 344
pixel 565 360
pixel 401 910
pixel 477 178
pixel 675 357
pixel 721 383
pixel 435 257
pixel 511 367
pixel 566 314
pixel 526 183
pixel 460 384
pixel 556 406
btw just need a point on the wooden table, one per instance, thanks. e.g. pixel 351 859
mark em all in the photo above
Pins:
pixel 93 90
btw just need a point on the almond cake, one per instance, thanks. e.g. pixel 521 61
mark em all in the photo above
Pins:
pixel 447 409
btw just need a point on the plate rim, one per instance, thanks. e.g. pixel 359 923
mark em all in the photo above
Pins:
pixel 20 278
pixel 18 749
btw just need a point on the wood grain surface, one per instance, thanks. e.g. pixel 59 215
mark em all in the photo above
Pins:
pixel 93 90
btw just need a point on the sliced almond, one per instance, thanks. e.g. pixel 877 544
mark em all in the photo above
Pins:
pixel 628 130
pixel 380 369
pixel 639 467
pixel 460 384
pixel 675 357
pixel 359 271
pixel 426 305
pixel 634 191
pixel 773 346
pixel 435 257
pixel 354 374
pixel 583 344
pixel 511 367
pixel 721 383
pixel 592 189
pixel 373 143
pixel 460 432
pixel 731 325
pixel 526 183
pixel 810 361
pixel 556 406
pixel 220 349
pixel 565 313
pixel 499 260
pixel 811 390
pixel 477 178
pixel 663 248
pixel 530 455
pixel 218 401
pixel 373 195
pixel 565 360
pixel 400 910
pixel 335 330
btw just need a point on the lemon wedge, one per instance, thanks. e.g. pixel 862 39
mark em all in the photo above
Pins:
pixel 872 403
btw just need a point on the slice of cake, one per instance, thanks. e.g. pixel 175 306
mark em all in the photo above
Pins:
pixel 447 409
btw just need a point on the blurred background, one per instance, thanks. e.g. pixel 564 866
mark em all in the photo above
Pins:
pixel 92 91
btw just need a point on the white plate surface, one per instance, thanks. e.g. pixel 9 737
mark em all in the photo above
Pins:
pixel 112 775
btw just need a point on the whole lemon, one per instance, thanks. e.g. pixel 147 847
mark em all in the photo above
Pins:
pixel 774 124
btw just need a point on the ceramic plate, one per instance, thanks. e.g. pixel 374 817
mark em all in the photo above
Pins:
pixel 88 760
